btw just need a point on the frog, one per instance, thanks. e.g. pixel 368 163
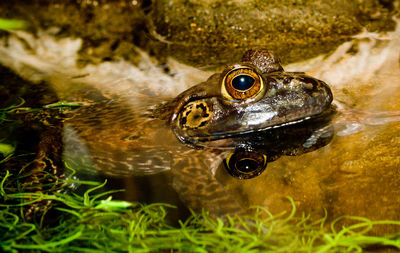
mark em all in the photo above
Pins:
pixel 188 136
pixel 251 96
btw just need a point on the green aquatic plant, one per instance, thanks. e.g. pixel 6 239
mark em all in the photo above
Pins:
pixel 6 149
pixel 12 24
pixel 94 222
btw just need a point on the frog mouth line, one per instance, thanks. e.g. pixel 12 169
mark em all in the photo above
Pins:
pixel 225 135
pixel 221 139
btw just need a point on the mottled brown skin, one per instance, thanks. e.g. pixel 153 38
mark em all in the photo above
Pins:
pixel 265 60
pixel 202 113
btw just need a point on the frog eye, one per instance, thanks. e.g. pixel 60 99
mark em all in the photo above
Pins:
pixel 245 164
pixel 241 83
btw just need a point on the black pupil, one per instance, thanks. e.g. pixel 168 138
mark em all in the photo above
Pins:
pixel 246 165
pixel 242 82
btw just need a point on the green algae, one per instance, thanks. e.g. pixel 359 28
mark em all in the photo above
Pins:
pixel 94 222
pixel 10 24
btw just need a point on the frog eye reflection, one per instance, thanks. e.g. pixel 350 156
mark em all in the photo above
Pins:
pixel 245 164
pixel 241 83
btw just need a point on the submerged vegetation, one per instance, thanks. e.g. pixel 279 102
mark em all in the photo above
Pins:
pixel 10 24
pixel 93 222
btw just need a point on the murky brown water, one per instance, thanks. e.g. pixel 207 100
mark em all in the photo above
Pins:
pixel 357 173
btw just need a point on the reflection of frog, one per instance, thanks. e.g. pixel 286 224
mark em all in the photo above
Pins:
pixel 251 96
pixel 253 151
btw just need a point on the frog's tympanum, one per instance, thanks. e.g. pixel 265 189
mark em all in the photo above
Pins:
pixel 253 95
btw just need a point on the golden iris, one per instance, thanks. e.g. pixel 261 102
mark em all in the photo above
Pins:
pixel 242 83
pixel 245 164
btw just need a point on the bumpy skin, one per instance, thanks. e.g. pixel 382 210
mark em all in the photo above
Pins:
pixel 264 60
pixel 202 113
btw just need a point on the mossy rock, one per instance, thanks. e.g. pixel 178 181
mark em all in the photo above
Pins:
pixel 202 32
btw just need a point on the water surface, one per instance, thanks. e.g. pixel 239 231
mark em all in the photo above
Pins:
pixel 113 135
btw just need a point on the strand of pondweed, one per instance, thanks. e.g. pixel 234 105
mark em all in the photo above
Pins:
pixel 35 197
pixel 4 111
pixel 310 235
pixel 364 223
pixel 6 158
pixel 8 223
pixel 347 239
pixel 90 201
pixel 73 212
pixel 49 246
pixel 86 199
pixel 2 191
pixel 108 203
pixel 70 171
pixel 63 104
pixel 359 237
pixel 85 250
pixel 261 219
